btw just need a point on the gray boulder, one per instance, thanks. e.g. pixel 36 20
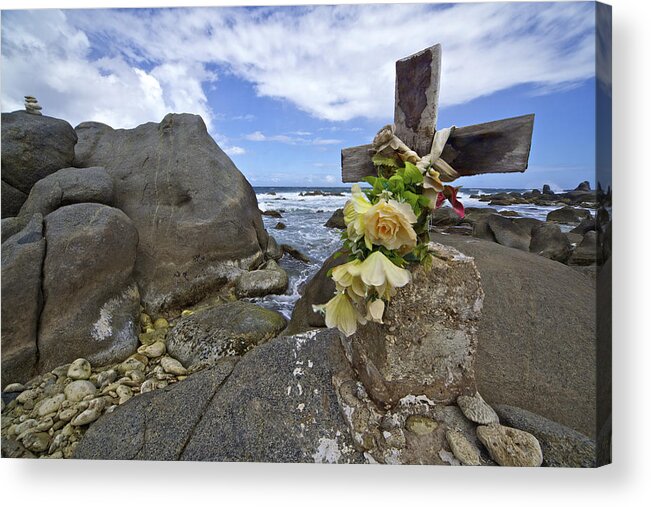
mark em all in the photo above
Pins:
pixel 69 186
pixel 561 446
pixel 274 251
pixel 196 215
pixel 336 221
pixel 548 240
pixel 584 186
pixel 444 216
pixel 511 232
pixel 536 337
pixel 587 252
pixel 473 214
pixel 278 404
pixel 229 329
pixel 34 147
pixel 91 301
pixel 12 200
pixel 568 215
pixel 587 224
pixel 546 190
pixel 271 280
pixel 22 260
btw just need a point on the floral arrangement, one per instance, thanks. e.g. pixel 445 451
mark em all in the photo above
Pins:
pixel 387 228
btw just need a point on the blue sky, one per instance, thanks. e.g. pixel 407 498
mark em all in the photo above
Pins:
pixel 284 89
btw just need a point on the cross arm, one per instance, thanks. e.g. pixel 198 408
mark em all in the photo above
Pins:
pixel 500 146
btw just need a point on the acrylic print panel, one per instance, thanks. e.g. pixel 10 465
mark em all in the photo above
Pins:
pixel 291 234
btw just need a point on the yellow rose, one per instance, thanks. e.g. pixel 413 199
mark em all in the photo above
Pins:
pixel 388 223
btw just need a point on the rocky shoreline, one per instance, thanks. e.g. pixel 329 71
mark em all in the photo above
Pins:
pixel 128 257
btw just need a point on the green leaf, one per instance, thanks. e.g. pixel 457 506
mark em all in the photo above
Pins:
pixel 412 175
pixel 396 184
pixel 386 161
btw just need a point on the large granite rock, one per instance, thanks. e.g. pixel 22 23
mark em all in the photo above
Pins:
pixel 536 336
pixel 277 404
pixel 33 147
pixel 91 301
pixel 228 329
pixel 196 215
pixel 561 446
pixel 69 186
pixel 12 200
pixel 427 343
pixel 22 260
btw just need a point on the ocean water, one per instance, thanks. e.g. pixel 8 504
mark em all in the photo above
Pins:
pixel 305 218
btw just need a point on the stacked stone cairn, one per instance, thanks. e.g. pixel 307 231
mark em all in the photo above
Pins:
pixel 32 106
pixel 48 415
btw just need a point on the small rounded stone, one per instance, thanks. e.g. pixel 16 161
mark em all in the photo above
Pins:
pixel 173 366
pixel 51 405
pixel 77 390
pixel 14 388
pixel 510 447
pixel 462 448
pixel 161 323
pixel 477 410
pixel 80 369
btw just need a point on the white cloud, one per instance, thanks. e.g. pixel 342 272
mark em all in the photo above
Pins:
pixel 297 138
pixel 234 150
pixel 124 67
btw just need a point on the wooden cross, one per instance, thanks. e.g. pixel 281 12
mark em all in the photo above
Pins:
pixel 495 147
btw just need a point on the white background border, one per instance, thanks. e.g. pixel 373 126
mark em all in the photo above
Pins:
pixel 626 482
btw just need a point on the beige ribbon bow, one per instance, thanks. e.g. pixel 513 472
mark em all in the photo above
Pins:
pixel 386 143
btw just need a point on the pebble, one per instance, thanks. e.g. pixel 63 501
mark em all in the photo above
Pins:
pixel 24 426
pixel 510 447
pixel 477 410
pixel 79 369
pixel 61 371
pixel 26 396
pixel 462 448
pixel 104 378
pixel 137 376
pixel 51 405
pixel 154 350
pixel 171 365
pixel 145 321
pixel 67 414
pixel 161 323
pixel 152 336
pixel 129 364
pixel 37 442
pixel 77 390
pixel 124 394
pixel 91 414
pixel 420 425
pixel 14 388
pixel 150 385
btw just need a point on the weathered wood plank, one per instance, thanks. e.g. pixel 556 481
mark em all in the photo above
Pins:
pixel 417 97
pixel 500 146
